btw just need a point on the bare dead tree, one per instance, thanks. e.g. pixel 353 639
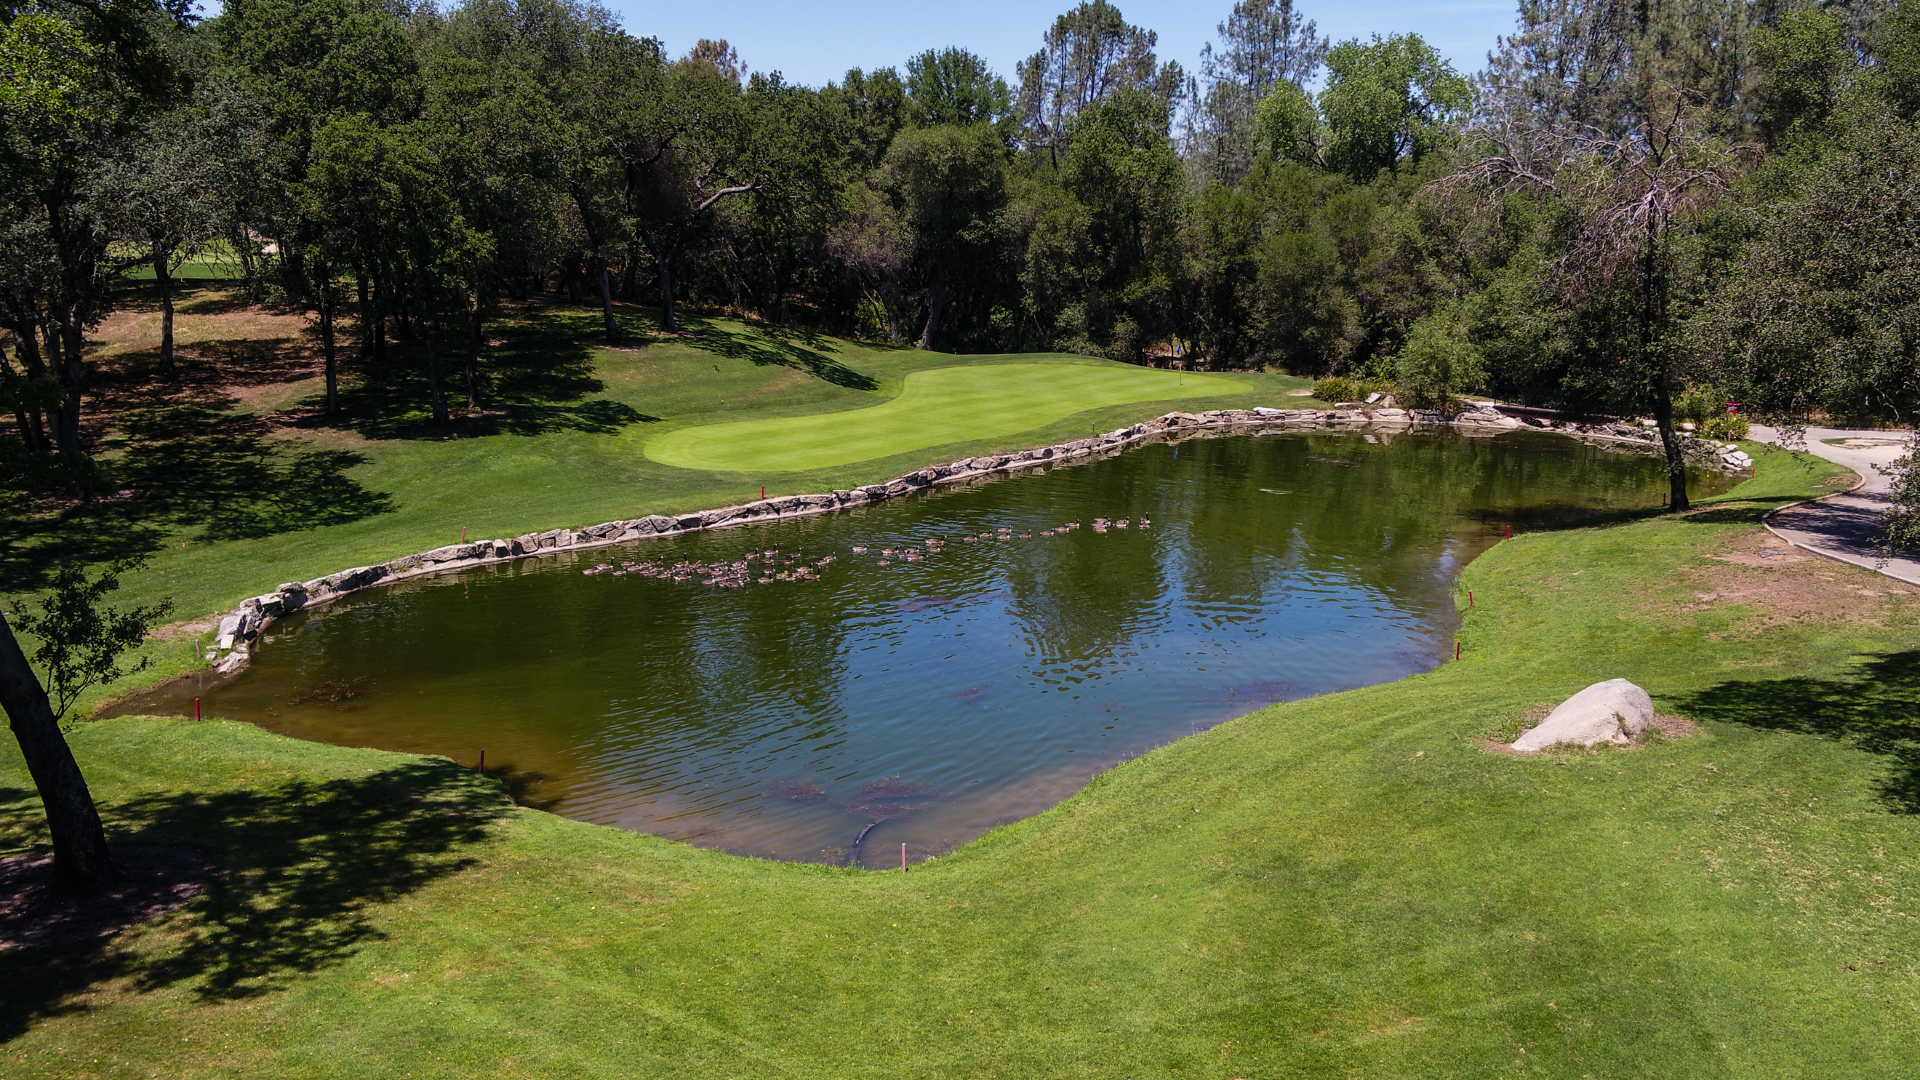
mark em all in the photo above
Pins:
pixel 1625 191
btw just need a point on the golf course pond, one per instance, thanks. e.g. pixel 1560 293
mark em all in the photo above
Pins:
pixel 937 664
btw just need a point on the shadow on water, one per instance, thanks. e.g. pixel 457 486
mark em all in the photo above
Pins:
pixel 1875 706
pixel 296 868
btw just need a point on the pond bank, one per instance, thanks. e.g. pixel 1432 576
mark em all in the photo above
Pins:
pixel 240 628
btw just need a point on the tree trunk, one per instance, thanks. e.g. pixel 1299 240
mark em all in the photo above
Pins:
pixel 1653 296
pixel 473 353
pixel 936 300
pixel 33 429
pixel 365 313
pixel 327 339
pixel 71 340
pixel 1670 442
pixel 667 321
pixel 81 861
pixel 19 411
pixel 439 395
pixel 163 274
pixel 606 303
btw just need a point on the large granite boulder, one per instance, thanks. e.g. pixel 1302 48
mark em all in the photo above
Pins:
pixel 1612 712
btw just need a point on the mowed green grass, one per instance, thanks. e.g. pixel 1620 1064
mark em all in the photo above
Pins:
pixel 1348 885
pixel 939 407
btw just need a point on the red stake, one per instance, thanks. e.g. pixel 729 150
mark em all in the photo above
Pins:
pixel 463 534
pixel 1469 597
pixel 483 762
pixel 196 708
pixel 1509 532
pixel 1456 650
pixel 903 858
pixel 763 493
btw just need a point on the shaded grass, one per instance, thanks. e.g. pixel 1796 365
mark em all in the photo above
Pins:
pixel 1345 885
pixel 940 407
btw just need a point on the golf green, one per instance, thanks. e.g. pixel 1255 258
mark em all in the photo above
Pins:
pixel 945 405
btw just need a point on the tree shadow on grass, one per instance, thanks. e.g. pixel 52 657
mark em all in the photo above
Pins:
pixel 185 462
pixel 767 346
pixel 1875 706
pixel 297 870
pixel 538 380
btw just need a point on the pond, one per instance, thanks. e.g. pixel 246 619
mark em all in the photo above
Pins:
pixel 938 664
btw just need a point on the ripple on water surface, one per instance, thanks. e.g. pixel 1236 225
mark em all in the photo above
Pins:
pixel 975 664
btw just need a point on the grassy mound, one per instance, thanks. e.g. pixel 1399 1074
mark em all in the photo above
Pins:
pixel 1348 885
pixel 941 407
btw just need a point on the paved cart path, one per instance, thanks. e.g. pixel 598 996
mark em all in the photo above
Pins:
pixel 1843 526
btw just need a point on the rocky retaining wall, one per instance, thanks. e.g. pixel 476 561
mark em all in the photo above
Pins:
pixel 241 628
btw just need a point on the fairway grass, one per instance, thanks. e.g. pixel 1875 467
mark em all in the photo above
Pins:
pixel 939 407
pixel 1348 885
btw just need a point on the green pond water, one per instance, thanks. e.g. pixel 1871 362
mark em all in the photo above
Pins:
pixel 978 682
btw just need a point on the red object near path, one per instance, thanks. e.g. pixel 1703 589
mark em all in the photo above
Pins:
pixel 196 708
pixel 903 858
pixel 483 762
pixel 1456 650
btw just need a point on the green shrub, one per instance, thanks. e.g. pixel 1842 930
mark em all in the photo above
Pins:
pixel 1726 427
pixel 1336 388
pixel 1439 361
pixel 1700 403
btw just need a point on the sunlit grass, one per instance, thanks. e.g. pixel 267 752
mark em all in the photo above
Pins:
pixel 944 406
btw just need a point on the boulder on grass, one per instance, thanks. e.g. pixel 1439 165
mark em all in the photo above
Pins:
pixel 1612 712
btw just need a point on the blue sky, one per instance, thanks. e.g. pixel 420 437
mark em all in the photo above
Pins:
pixel 814 41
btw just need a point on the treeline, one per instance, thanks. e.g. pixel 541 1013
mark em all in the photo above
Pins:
pixel 1636 208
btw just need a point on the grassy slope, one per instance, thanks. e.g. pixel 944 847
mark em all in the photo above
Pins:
pixel 1345 885
pixel 939 407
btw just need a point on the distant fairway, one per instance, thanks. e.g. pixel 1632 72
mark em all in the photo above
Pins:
pixel 945 405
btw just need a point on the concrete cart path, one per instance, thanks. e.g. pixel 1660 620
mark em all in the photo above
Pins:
pixel 1843 526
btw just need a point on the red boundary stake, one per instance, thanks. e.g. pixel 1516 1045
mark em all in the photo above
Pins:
pixel 196 708
pixel 903 858
pixel 483 762
pixel 1456 650
pixel 1469 597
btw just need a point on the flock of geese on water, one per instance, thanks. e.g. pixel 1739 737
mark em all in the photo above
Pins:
pixel 774 566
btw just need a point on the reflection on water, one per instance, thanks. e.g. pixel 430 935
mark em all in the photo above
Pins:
pixel 971 683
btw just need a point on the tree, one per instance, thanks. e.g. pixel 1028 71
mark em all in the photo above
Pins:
pixel 950 184
pixel 953 86
pixel 1623 196
pixel 1123 171
pixel 1808 67
pixel 1388 101
pixel 874 108
pixel 1263 45
pixel 81 642
pixel 77 78
pixel 1820 313
pixel 1439 360
pixel 1091 53
pixel 161 196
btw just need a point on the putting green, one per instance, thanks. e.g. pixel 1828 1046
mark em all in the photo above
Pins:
pixel 944 405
